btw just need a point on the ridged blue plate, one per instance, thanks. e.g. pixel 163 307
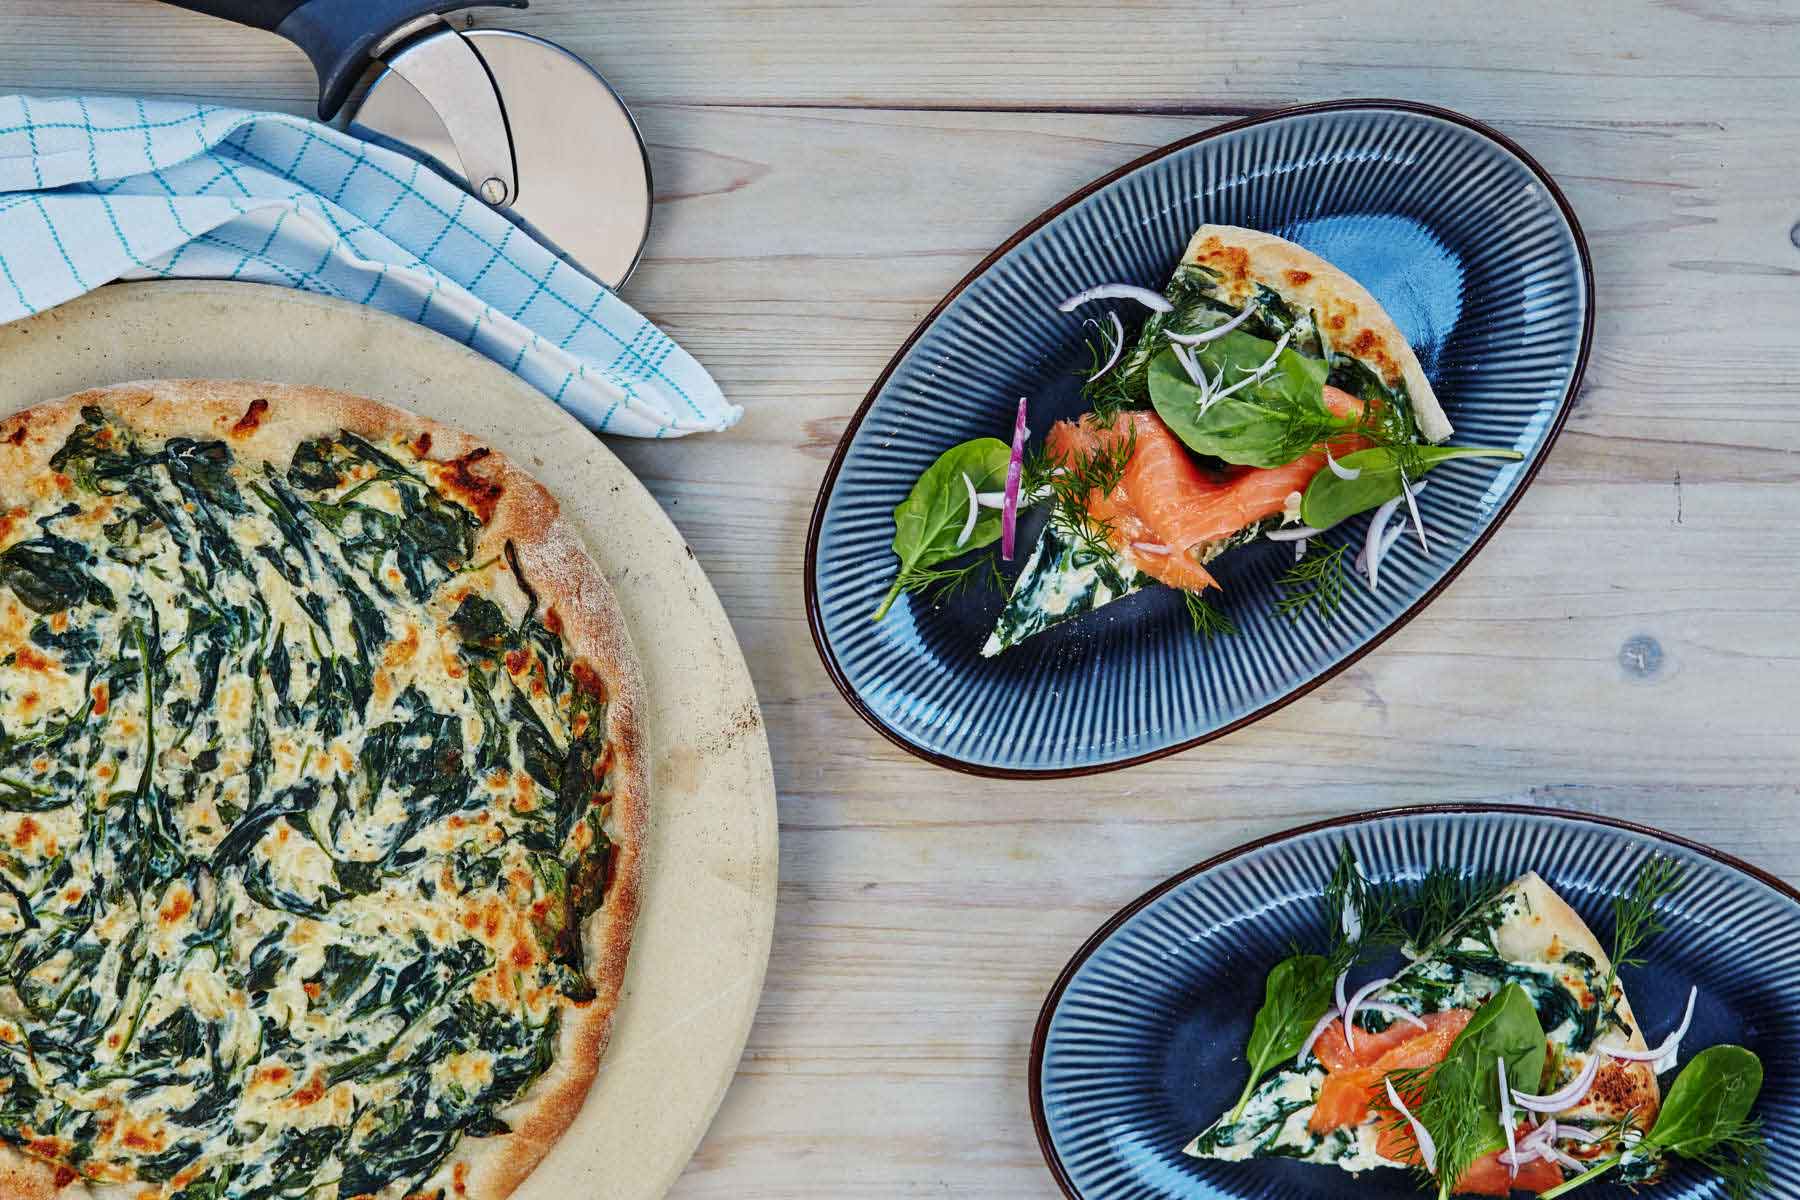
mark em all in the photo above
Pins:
pixel 1141 1042
pixel 1465 241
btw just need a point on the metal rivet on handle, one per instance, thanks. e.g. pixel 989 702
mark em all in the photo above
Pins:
pixel 493 191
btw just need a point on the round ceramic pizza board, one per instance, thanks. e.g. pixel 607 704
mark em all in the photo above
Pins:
pixel 702 941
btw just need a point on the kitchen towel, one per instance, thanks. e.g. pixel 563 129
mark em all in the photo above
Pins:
pixel 94 189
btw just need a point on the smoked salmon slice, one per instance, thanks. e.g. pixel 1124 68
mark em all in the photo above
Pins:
pixel 1352 1086
pixel 1167 499
pixel 1488 1176
pixel 1371 1048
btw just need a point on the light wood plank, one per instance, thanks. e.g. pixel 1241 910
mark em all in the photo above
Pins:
pixel 1672 62
pixel 818 191
pixel 925 915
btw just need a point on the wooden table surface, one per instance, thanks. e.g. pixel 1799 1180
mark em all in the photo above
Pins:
pixel 1629 643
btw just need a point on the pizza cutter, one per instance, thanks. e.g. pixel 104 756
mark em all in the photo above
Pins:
pixel 522 124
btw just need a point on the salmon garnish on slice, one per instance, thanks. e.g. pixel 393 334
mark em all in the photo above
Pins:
pixel 1166 499
pixel 1488 1176
pixel 1354 1079
pixel 1355 1086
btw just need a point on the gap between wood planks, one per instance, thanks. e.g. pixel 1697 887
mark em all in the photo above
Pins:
pixel 1223 112
pixel 960 106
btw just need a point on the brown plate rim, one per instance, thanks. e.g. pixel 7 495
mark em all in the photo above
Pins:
pixel 815 618
pixel 1041 1033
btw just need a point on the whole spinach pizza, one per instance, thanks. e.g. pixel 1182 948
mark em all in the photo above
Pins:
pixel 321 802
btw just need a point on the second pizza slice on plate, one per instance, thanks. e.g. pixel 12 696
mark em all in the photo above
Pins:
pixel 1520 986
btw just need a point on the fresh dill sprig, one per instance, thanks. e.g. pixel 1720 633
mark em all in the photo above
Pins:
pixel 1635 919
pixel 1740 1157
pixel 1457 1100
pixel 1444 901
pixel 1108 392
pixel 944 583
pixel 1210 621
pixel 1316 582
pixel 1362 914
pixel 1069 482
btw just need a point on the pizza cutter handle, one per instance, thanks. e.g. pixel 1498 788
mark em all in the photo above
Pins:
pixel 339 36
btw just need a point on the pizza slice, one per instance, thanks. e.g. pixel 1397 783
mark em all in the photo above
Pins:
pixel 1523 959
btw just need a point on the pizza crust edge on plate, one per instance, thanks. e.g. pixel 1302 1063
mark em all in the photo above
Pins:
pixel 1549 925
pixel 267 421
pixel 1354 320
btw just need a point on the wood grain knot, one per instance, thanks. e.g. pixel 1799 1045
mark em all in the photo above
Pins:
pixel 1641 657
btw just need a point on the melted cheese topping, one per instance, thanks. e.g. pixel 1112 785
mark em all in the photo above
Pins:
pixel 302 814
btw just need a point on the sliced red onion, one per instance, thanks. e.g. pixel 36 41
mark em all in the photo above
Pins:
pixel 1356 999
pixel 1421 1135
pixel 1185 357
pixel 1565 1158
pixel 1339 469
pixel 1338 995
pixel 1373 551
pixel 1395 532
pixel 1412 505
pixel 1150 547
pixel 1576 1133
pixel 962 539
pixel 1661 1057
pixel 1293 533
pixel 1507 1122
pixel 1533 1147
pixel 1374 546
pixel 1118 346
pixel 1217 331
pixel 1537 1137
pixel 1564 1097
pixel 1319 1027
pixel 1257 375
pixel 1512 1160
pixel 1009 507
pixel 1153 301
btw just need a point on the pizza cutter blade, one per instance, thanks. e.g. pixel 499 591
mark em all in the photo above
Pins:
pixel 525 126
pixel 582 173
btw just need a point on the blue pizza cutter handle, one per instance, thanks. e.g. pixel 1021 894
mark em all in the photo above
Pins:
pixel 341 37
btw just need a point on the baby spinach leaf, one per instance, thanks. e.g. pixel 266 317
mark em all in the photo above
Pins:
pixel 1712 1094
pixel 1461 1107
pixel 928 521
pixel 1706 1118
pixel 1295 995
pixel 1268 423
pixel 1330 498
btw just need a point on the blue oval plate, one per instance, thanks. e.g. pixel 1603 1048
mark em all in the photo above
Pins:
pixel 1462 237
pixel 1141 1042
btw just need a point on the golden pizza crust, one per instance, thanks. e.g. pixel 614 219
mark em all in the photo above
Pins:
pixel 23 1178
pixel 267 421
pixel 1543 929
pixel 1354 321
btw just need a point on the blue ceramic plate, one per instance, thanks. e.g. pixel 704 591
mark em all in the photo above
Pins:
pixel 1465 241
pixel 1141 1042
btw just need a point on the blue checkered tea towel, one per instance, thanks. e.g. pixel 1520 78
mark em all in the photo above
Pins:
pixel 101 188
